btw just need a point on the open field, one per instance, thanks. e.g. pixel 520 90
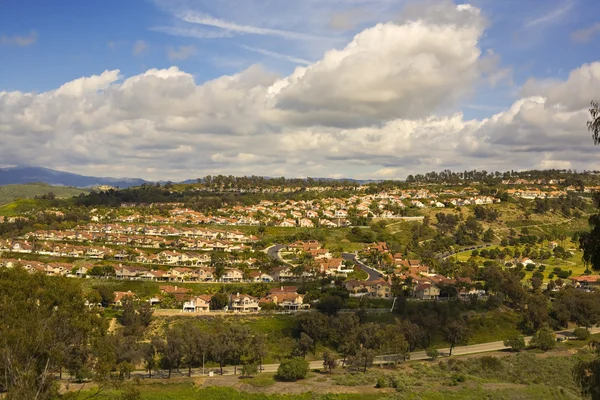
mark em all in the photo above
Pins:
pixel 11 193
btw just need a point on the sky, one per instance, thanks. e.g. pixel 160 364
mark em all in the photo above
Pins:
pixel 366 89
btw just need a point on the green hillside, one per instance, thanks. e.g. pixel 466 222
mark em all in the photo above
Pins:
pixel 10 193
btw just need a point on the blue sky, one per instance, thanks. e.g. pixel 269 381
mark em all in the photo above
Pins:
pixel 44 45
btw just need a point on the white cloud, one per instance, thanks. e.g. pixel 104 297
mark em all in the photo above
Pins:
pixel 584 35
pixel 552 15
pixel 388 71
pixel 369 109
pixel 18 40
pixel 207 20
pixel 278 56
pixel 181 53
pixel 139 47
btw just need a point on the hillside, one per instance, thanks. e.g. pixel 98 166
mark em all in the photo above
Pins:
pixel 20 175
pixel 10 193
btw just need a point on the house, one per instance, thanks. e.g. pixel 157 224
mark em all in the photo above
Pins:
pixel 256 276
pixel 119 296
pixel 426 291
pixel 377 289
pixel 232 275
pixel 586 280
pixel 306 223
pixel 179 293
pixel 129 272
pixel 244 303
pixel 197 304
pixel 288 301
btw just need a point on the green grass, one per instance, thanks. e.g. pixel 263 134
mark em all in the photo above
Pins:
pixel 188 391
pixel 11 193
pixel 260 380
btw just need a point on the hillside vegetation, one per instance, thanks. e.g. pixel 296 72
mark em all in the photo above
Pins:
pixel 11 193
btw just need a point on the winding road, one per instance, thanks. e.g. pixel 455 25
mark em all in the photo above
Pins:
pixel 273 252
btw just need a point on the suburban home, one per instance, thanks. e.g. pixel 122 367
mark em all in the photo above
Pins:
pixel 119 296
pixel 426 292
pixel 129 272
pixel 232 275
pixel 586 280
pixel 256 276
pixel 178 293
pixel 244 303
pixel 286 300
pixel 377 289
pixel 197 304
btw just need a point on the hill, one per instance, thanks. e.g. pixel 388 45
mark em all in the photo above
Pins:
pixel 10 193
pixel 20 175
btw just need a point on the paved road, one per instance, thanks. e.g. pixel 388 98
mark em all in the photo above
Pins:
pixel 273 252
pixel 373 275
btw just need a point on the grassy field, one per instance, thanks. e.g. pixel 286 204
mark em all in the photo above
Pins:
pixel 11 193
pixel 145 289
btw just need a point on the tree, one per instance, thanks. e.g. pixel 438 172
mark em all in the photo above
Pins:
pixel 305 344
pixel 587 374
pixel 220 348
pixel 432 353
pixel 238 336
pixel 456 332
pixel 544 339
pixel 219 301
pixel 590 241
pixel 329 361
pixel 581 333
pixel 330 304
pixel 594 123
pixel 258 349
pixel 150 354
pixel 292 369
pixel 171 350
pixel 195 345
pixel 515 342
pixel 45 325
pixel 249 369
pixel 362 360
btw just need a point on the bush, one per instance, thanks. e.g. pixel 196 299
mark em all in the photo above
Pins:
pixel 292 369
pixel 530 267
pixel 432 353
pixel 515 342
pixel 489 363
pixel 544 339
pixel 382 382
pixel 581 333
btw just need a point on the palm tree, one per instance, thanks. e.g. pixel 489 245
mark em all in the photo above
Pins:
pixel 594 124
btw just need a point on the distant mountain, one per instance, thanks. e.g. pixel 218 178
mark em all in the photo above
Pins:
pixel 19 175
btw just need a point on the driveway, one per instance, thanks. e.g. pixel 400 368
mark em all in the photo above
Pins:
pixel 373 275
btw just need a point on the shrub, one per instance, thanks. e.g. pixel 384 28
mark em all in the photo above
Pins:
pixel 515 342
pixel 544 339
pixel 432 353
pixel 530 267
pixel 490 363
pixel 382 382
pixel 292 369
pixel 581 333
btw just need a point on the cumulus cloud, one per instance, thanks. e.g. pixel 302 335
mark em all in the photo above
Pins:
pixel 368 110
pixel 389 71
